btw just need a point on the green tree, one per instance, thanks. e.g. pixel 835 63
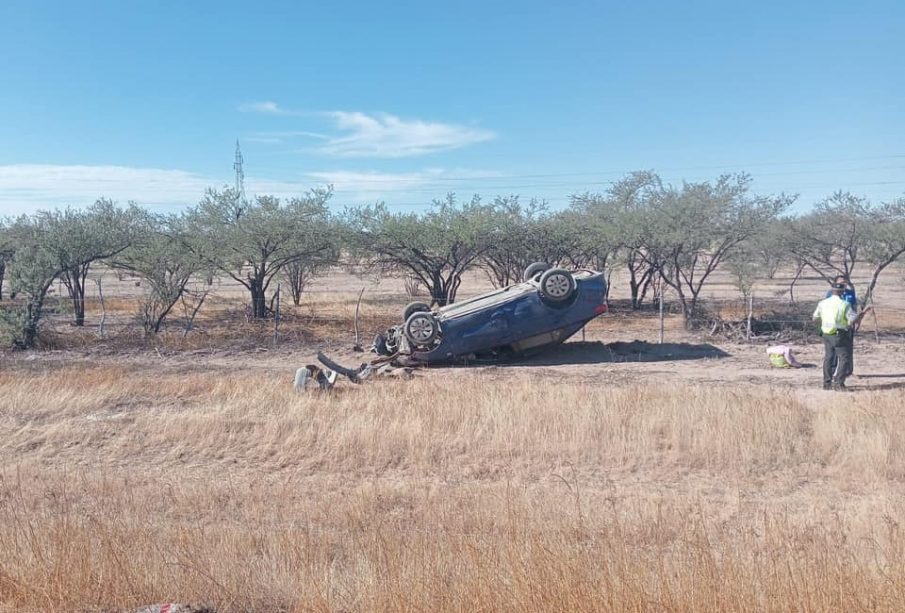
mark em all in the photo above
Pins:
pixel 845 231
pixel 299 274
pixel 760 256
pixel 830 237
pixel 6 252
pixel 76 239
pixel 161 256
pixel 695 227
pixel 253 240
pixel 621 220
pixel 886 242
pixel 32 271
pixel 521 238
pixel 61 244
pixel 436 246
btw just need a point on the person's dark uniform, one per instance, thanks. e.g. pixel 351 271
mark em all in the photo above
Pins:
pixel 836 317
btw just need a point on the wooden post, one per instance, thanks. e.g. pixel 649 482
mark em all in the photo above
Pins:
pixel 100 294
pixel 750 314
pixel 276 315
pixel 358 346
pixel 661 314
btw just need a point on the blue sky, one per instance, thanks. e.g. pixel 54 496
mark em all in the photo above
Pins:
pixel 403 102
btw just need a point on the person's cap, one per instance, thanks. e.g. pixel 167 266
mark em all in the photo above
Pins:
pixel 839 286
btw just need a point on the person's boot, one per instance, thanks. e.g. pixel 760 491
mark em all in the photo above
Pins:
pixel 839 387
pixel 827 386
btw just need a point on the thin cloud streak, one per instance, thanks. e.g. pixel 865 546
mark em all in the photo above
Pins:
pixel 388 136
pixel 264 108
pixel 372 135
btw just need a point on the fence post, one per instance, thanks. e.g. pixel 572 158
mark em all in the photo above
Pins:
pixel 750 314
pixel 358 346
pixel 661 314
pixel 276 316
pixel 100 294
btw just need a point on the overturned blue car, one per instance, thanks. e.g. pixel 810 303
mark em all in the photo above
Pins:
pixel 549 306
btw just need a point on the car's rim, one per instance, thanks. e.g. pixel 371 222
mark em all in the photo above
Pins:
pixel 558 286
pixel 421 329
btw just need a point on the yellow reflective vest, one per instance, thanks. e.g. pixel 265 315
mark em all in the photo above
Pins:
pixel 834 314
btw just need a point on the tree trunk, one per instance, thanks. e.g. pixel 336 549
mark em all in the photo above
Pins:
pixel 33 311
pixel 798 272
pixel 688 312
pixel 633 288
pixel 438 289
pixel 258 303
pixel 296 277
pixel 74 280
pixel 2 274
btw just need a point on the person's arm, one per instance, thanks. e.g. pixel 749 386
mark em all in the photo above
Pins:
pixel 851 315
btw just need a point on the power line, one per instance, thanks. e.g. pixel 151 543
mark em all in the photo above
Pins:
pixel 428 178
pixel 797 188
pixel 580 184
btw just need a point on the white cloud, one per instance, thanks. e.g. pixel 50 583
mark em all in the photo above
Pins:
pixel 387 136
pixel 279 136
pixel 376 135
pixel 266 108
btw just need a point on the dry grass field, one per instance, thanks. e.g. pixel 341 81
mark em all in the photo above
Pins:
pixel 590 480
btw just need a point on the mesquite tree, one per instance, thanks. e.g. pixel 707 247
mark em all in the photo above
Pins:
pixel 79 238
pixel 698 225
pixel 253 240
pixel 886 243
pixel 622 220
pixel 436 246
pixel 524 234
pixel 297 276
pixel 32 271
pixel 160 255
pixel 6 252
pixel 845 230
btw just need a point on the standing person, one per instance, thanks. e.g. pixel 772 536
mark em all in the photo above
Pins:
pixel 849 296
pixel 836 317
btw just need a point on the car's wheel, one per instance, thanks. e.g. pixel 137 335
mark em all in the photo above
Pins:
pixel 557 285
pixel 534 269
pixel 415 307
pixel 421 329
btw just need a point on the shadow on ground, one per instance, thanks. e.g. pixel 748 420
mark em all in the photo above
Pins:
pixel 634 351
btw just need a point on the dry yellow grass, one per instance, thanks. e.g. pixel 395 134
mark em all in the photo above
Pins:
pixel 454 492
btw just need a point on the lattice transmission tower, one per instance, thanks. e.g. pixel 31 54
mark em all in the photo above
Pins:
pixel 240 173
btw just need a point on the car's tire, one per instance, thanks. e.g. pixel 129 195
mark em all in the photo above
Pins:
pixel 415 307
pixel 421 329
pixel 534 269
pixel 557 285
